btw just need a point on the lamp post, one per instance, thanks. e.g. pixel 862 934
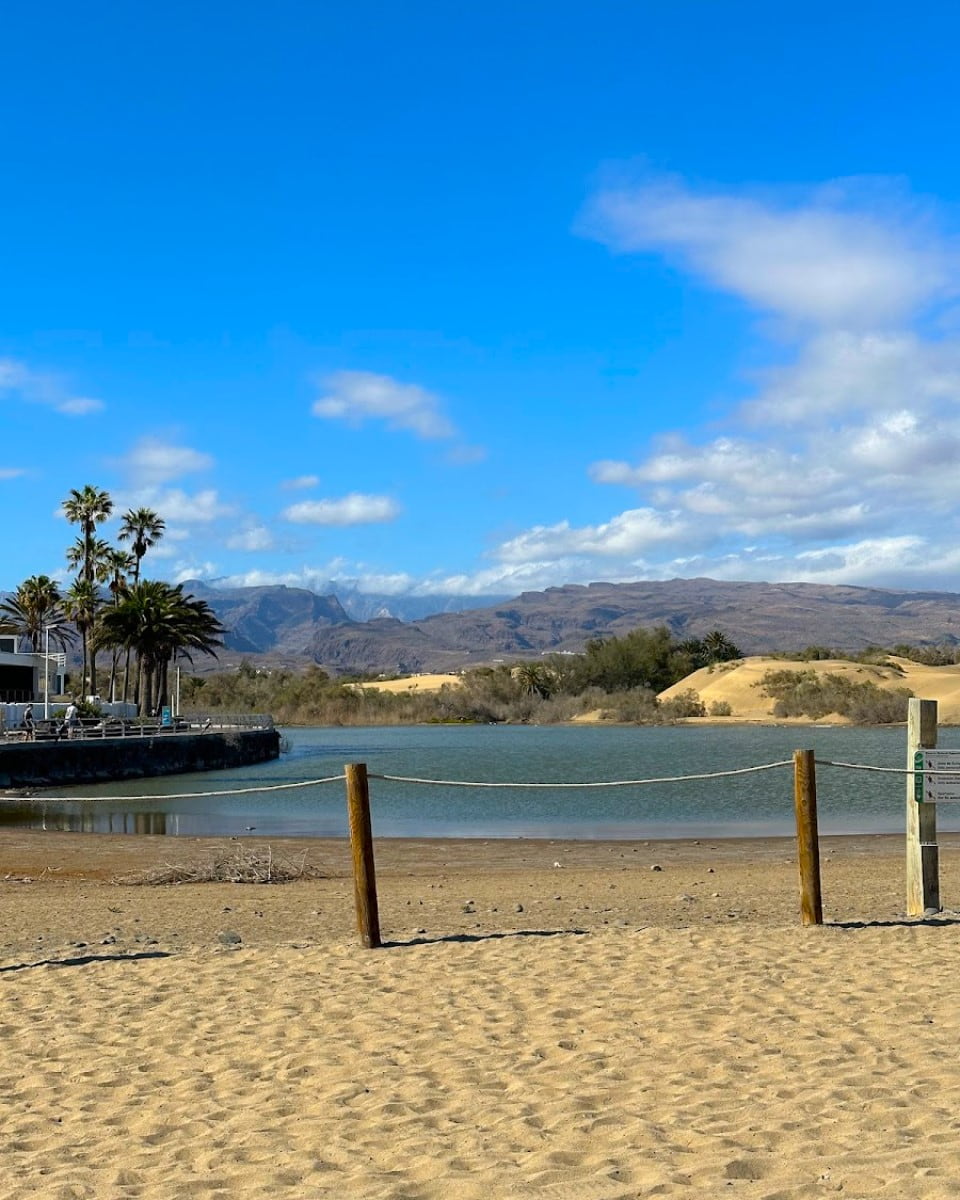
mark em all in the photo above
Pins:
pixel 46 672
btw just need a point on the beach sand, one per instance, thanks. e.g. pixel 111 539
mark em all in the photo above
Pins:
pixel 596 1030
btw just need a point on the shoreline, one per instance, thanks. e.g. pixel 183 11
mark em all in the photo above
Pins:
pixel 64 886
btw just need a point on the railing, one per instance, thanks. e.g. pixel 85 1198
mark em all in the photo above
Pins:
pixel 93 728
pixel 219 720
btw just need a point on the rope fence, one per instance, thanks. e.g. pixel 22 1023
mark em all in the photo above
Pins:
pixel 605 783
pixel 922 850
pixel 499 783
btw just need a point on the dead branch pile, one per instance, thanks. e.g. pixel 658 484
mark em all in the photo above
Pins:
pixel 236 864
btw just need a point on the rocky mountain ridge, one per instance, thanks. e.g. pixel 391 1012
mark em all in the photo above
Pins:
pixel 295 625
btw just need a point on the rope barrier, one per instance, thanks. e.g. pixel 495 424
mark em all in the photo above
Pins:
pixel 823 762
pixel 464 783
pixel 602 784
pixel 267 787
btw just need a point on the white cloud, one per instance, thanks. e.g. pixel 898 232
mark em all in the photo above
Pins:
pixel 627 534
pixel 358 396
pixel 41 387
pixel 255 537
pixel 859 373
pixel 175 504
pixel 193 569
pixel 355 509
pixel 301 482
pixel 853 253
pixel 12 472
pixel 841 466
pixel 327 578
pixel 153 461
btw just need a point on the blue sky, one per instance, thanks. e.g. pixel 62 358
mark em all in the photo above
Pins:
pixel 486 297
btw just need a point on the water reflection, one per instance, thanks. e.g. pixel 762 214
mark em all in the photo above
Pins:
pixel 86 819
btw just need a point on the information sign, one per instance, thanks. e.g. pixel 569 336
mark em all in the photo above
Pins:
pixel 936 788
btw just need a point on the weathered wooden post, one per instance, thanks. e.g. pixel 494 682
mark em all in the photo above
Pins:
pixel 361 842
pixel 923 853
pixel 808 840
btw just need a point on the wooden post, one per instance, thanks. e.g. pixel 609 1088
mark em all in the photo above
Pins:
pixel 808 841
pixel 361 842
pixel 923 854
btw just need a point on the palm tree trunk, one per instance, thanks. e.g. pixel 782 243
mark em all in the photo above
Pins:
pixel 126 665
pixel 83 672
pixel 126 676
pixel 145 685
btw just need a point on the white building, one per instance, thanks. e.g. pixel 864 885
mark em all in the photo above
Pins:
pixel 22 675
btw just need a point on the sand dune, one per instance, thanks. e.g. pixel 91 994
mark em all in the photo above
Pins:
pixel 737 683
pixel 414 683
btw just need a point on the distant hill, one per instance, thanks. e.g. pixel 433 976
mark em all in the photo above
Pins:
pixel 270 619
pixel 354 604
pixel 296 624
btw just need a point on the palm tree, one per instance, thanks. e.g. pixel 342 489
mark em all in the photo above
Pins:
pixel 533 679
pixel 144 528
pixel 37 605
pixel 158 622
pixel 717 647
pixel 90 558
pixel 87 507
pixel 119 564
pixel 81 603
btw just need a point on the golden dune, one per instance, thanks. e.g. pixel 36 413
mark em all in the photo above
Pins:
pixel 738 684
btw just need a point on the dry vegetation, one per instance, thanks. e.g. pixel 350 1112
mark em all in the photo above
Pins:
pixel 236 864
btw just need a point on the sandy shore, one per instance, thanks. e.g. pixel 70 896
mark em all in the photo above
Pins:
pixel 593 1029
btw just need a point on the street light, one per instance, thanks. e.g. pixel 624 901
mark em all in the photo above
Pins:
pixel 46 672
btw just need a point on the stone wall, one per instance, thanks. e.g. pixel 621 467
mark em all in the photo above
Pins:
pixel 45 764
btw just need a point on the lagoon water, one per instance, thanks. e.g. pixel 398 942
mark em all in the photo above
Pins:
pixel 743 806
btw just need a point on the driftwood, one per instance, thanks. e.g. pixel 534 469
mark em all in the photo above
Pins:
pixel 237 864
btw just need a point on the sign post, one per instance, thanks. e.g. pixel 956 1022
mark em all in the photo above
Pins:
pixel 923 853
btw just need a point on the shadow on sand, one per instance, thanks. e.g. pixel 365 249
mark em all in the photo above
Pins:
pixel 82 960
pixel 485 937
pixel 934 921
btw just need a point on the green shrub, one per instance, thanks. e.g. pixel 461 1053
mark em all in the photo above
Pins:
pixel 807 694
pixel 685 704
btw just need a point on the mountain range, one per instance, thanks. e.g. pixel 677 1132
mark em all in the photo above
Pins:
pixel 292 626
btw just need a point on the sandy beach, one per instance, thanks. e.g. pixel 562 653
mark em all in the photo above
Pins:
pixel 596 1029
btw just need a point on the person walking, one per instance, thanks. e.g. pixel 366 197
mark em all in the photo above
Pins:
pixel 71 719
pixel 29 725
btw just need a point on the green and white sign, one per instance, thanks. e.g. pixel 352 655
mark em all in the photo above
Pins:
pixel 943 787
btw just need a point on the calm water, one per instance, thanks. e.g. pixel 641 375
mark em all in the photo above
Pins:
pixel 751 805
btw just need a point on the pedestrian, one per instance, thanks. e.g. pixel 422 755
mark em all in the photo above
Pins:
pixel 29 725
pixel 71 719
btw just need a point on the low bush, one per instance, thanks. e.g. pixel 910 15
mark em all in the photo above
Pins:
pixel 807 694
pixel 685 704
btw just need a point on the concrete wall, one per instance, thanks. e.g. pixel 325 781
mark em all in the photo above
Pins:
pixel 45 764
